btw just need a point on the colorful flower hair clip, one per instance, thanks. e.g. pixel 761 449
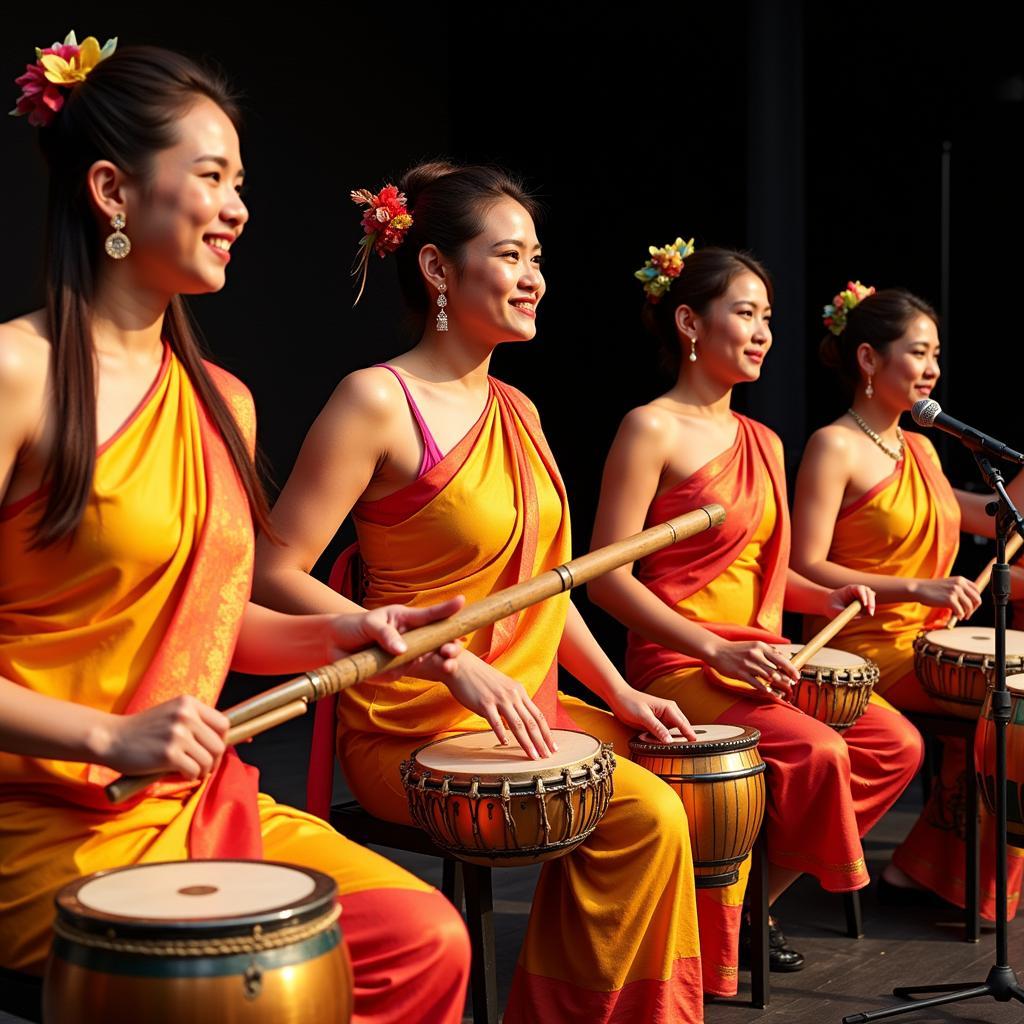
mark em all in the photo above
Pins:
pixel 834 314
pixel 57 68
pixel 385 223
pixel 664 265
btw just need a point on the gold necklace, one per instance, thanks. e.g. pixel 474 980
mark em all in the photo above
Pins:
pixel 895 455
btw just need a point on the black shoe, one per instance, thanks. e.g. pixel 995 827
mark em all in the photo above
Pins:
pixel 781 959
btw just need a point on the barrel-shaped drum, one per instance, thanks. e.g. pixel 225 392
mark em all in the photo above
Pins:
pixel 490 804
pixel 985 759
pixel 955 666
pixel 835 686
pixel 198 941
pixel 720 779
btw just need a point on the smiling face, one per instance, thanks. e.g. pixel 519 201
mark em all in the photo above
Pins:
pixel 494 294
pixel 909 368
pixel 183 219
pixel 734 332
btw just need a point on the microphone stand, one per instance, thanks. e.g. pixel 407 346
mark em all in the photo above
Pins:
pixel 1001 983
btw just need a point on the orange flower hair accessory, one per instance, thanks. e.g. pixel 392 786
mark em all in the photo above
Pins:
pixel 57 69
pixel 665 264
pixel 834 314
pixel 385 223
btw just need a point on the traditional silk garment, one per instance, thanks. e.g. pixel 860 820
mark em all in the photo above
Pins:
pixel 824 790
pixel 142 604
pixel 612 934
pixel 908 525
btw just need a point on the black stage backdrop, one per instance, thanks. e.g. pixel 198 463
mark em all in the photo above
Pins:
pixel 811 134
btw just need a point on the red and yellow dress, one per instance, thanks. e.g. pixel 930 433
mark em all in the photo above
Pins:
pixel 909 525
pixel 612 934
pixel 825 790
pixel 142 604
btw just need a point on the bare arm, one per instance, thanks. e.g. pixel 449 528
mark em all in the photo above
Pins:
pixel 822 479
pixel 632 474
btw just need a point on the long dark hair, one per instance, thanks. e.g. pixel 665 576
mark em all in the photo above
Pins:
pixel 448 203
pixel 878 320
pixel 706 276
pixel 124 112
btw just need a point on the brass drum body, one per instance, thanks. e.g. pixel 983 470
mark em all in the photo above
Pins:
pixel 489 804
pixel 955 666
pixel 834 687
pixel 720 780
pixel 198 942
pixel 985 759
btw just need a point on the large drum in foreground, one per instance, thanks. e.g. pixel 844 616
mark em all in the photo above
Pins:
pixel 835 686
pixel 490 804
pixel 200 941
pixel 720 780
pixel 955 666
pixel 985 760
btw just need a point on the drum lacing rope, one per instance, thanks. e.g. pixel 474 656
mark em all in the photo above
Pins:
pixel 542 809
pixel 227 945
pixel 506 809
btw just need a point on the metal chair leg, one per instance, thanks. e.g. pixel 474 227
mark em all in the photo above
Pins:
pixel 480 922
pixel 757 886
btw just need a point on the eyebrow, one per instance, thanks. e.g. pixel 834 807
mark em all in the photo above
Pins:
pixel 218 160
pixel 513 241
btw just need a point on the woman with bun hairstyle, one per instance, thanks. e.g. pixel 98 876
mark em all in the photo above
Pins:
pixel 453 489
pixel 873 505
pixel 127 501
pixel 703 614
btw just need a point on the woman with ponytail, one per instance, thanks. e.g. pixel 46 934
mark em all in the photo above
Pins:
pixel 453 490
pixel 128 496
pixel 873 505
pixel 703 615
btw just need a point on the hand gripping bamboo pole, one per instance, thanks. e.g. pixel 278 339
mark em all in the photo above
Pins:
pixel 1012 547
pixel 291 699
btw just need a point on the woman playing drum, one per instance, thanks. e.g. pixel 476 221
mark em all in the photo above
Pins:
pixel 872 504
pixel 703 615
pixel 125 568
pixel 453 489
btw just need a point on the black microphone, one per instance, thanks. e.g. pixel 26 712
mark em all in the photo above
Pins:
pixel 928 413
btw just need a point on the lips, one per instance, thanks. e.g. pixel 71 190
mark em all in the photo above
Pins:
pixel 525 306
pixel 220 244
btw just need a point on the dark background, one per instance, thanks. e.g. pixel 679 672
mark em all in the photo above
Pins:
pixel 812 135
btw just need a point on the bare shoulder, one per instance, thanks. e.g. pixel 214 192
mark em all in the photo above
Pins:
pixel 372 395
pixel 650 426
pixel 834 443
pixel 24 360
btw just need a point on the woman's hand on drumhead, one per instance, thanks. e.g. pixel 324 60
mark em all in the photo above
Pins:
pixel 385 626
pixel 756 663
pixel 182 735
pixel 843 596
pixel 648 713
pixel 957 593
pixel 504 703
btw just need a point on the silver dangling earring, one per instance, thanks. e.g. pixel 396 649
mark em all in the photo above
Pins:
pixel 869 390
pixel 693 349
pixel 442 301
pixel 117 244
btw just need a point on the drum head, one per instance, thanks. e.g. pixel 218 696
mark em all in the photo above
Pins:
pixel 1015 684
pixel 197 894
pixel 979 640
pixel 480 754
pixel 709 738
pixel 826 658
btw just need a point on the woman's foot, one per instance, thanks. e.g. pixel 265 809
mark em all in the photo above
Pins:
pixel 781 958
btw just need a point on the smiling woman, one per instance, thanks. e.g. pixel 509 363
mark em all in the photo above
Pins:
pixel 127 500
pixel 453 490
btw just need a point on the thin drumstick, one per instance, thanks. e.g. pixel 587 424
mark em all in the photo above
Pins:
pixel 815 644
pixel 291 699
pixel 1012 547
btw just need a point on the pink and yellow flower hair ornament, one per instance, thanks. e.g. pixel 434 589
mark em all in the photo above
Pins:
pixel 386 220
pixel 58 69
pixel 834 314
pixel 665 264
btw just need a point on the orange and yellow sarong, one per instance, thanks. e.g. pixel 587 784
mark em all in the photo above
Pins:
pixel 824 790
pixel 908 525
pixel 144 603
pixel 612 934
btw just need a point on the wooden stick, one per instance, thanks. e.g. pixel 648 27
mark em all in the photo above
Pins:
pixel 1012 547
pixel 290 699
pixel 815 644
